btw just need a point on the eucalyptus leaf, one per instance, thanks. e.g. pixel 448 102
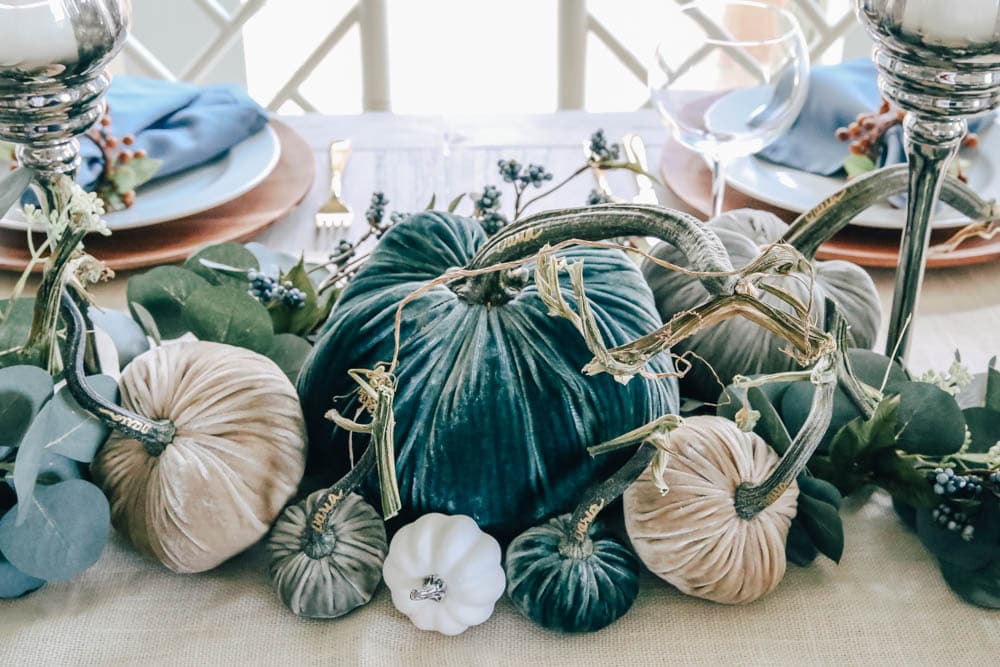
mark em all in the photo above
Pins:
pixel 63 536
pixel 949 546
pixel 992 389
pixel 431 203
pixel 146 321
pixel 23 391
pixel 822 523
pixel 12 186
pixel 898 476
pixel 129 338
pixel 979 587
pixel 234 255
pixel 14 330
pixel 769 426
pixel 799 549
pixel 130 175
pixel 929 420
pixel 855 444
pixel 304 318
pixel 228 315
pixel 14 583
pixel 453 204
pixel 856 165
pixel 984 426
pixel 61 427
pixel 289 352
pixel 163 291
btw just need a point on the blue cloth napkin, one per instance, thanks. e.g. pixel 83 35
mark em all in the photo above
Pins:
pixel 837 94
pixel 182 124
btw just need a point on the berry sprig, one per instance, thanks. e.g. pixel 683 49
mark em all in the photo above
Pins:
pixel 123 167
pixel 954 520
pixel 598 197
pixel 376 209
pixel 267 289
pixel 487 208
pixel 601 150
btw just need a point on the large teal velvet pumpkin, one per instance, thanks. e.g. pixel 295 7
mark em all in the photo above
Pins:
pixel 493 414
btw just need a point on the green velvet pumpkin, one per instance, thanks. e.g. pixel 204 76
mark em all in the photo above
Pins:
pixel 582 588
pixel 738 346
pixel 493 415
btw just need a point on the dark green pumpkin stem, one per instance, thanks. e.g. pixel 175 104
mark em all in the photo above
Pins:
pixel 154 435
pixel 817 226
pixel 318 541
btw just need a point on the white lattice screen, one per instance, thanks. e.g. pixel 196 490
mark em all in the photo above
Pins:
pixel 219 26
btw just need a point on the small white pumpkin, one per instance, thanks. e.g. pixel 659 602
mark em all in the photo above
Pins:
pixel 444 573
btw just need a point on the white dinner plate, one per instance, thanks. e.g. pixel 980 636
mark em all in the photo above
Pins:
pixel 799 191
pixel 244 166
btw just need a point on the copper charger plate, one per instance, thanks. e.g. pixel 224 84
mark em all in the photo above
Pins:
pixel 687 175
pixel 173 241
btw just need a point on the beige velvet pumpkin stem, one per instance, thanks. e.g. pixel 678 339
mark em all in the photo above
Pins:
pixel 817 226
pixel 154 435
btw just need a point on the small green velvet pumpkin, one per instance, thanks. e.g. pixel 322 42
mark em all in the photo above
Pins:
pixel 493 416
pixel 738 346
pixel 581 589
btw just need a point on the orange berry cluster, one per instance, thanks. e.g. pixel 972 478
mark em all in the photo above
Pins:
pixel 867 131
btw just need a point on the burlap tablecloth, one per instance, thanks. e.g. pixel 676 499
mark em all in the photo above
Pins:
pixel 884 604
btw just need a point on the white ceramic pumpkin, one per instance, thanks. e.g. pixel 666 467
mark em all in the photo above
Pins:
pixel 444 573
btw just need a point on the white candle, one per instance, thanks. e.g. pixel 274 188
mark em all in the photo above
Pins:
pixel 952 22
pixel 35 33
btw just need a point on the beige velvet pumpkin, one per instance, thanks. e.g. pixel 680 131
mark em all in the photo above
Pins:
pixel 692 536
pixel 236 458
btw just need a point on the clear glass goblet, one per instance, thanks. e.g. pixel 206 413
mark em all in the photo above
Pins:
pixel 729 80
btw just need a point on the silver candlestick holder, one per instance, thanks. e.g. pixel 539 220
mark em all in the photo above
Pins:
pixel 53 59
pixel 940 62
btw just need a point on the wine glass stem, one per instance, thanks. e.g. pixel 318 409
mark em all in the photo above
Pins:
pixel 930 146
pixel 718 186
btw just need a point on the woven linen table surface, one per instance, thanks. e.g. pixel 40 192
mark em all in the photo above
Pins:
pixel 884 604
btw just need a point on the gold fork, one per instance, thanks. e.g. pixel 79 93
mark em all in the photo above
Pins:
pixel 335 217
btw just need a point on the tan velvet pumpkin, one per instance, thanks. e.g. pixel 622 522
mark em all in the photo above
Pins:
pixel 691 536
pixel 236 458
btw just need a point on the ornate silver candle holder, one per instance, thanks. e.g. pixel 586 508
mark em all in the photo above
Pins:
pixel 940 62
pixel 53 55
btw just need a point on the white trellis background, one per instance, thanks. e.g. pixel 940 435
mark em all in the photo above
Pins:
pixel 432 56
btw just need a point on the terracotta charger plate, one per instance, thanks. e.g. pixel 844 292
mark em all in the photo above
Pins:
pixel 687 175
pixel 237 220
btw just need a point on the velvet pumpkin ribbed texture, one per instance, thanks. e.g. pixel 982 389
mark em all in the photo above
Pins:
pixel 493 414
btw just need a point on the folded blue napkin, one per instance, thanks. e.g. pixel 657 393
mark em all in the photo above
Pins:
pixel 837 94
pixel 182 124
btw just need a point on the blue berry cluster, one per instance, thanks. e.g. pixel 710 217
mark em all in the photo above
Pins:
pixel 376 209
pixel 513 171
pixel 267 289
pixel 601 150
pixel 489 200
pixel 597 197
pixel 488 208
pixel 396 217
pixel 951 486
pixel 493 222
pixel 954 520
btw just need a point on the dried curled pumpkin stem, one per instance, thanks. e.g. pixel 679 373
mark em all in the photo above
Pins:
pixel 817 226
pixel 154 435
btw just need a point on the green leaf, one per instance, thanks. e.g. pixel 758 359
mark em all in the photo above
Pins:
pixel 856 165
pixel 799 549
pixel 984 426
pixel 430 204
pixel 453 204
pixel 163 291
pixel 992 389
pixel 854 446
pixel 134 173
pixel 129 338
pixel 906 512
pixel 61 427
pixel 12 186
pixel 289 352
pixel 302 320
pixel 979 587
pixel 821 490
pixel 63 536
pixel 949 546
pixel 23 392
pixel 929 420
pixel 14 330
pixel 14 583
pixel 228 315
pixel 769 426
pixel 822 523
pixel 234 255
pixel 146 321
pixel 901 479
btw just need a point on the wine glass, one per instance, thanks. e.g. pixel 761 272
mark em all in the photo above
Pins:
pixel 729 80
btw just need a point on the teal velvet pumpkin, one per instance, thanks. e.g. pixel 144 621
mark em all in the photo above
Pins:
pixel 493 414
pixel 580 589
